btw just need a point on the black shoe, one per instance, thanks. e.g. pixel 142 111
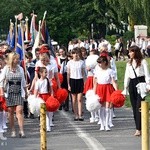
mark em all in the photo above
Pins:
pixel 81 119
pixel 31 116
pixel 26 116
pixel 66 109
pixel 76 119
pixel 60 108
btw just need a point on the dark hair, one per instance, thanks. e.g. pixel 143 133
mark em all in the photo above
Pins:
pixel 102 59
pixel 77 50
pixel 40 70
pixel 69 54
pixel 29 54
pixel 137 55
pixel 37 49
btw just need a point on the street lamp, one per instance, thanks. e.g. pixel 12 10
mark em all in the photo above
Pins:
pixel 106 15
pixel 92 31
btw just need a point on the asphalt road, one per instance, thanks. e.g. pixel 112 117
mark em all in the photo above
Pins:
pixel 70 135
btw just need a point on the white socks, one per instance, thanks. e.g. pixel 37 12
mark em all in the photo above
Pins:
pixel 92 119
pixel 110 117
pixel 48 127
pixel 107 119
pixel 1 122
pixel 106 115
pixel 49 122
pixel 51 119
pixel 102 117
pixel 4 120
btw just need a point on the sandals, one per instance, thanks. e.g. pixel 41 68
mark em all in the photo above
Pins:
pixel 13 134
pixel 21 134
pixel 137 133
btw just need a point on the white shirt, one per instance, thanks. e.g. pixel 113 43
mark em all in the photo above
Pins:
pixel 103 76
pixel 70 47
pixel 140 71
pixel 117 46
pixel 76 68
pixel 109 47
pixel 41 86
pixel 113 67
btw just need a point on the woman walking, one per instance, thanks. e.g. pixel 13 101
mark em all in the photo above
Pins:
pixel 136 71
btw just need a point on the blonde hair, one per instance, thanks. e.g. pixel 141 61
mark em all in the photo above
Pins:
pixel 46 57
pixel 10 58
pixel 103 48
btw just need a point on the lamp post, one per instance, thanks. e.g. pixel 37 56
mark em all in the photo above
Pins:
pixel 92 30
pixel 106 15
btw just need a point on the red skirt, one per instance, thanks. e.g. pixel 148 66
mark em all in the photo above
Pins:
pixel 88 84
pixel 45 96
pixel 104 91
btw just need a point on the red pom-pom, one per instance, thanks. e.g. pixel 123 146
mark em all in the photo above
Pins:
pixel 60 76
pixel 117 98
pixel 61 95
pixel 2 99
pixel 3 104
pixel 52 104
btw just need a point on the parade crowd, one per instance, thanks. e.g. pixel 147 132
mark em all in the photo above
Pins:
pixel 84 65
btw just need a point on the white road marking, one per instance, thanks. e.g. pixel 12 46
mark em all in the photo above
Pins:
pixel 91 142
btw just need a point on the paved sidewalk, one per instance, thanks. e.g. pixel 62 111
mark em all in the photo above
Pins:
pixel 70 135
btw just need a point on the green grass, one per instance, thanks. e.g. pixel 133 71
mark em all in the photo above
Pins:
pixel 121 65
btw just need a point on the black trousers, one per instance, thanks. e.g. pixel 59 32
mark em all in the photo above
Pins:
pixel 25 108
pixel 136 99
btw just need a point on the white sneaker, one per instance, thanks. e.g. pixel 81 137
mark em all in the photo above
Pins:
pixel 107 128
pixel 114 116
pixel 5 127
pixel 96 119
pixel 111 125
pixel 102 128
pixel 2 131
pixel 52 125
pixel 92 120
pixel 48 129
pixel 99 122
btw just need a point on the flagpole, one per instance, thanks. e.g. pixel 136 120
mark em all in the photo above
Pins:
pixel 11 29
pixel 27 29
pixel 43 19
pixel 15 32
pixel 23 49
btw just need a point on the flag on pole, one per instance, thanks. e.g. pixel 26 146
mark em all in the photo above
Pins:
pixel 19 48
pixel 19 16
pixel 12 44
pixel 33 28
pixel 11 36
pixel 37 41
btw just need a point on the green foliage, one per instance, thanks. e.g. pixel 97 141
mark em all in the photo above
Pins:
pixel 111 39
pixel 128 35
pixel 68 19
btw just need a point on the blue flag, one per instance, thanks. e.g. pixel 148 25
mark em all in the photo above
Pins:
pixel 19 48
pixel 11 38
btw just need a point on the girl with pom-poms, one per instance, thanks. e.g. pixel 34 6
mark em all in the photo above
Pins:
pixel 90 63
pixel 104 85
pixel 43 88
